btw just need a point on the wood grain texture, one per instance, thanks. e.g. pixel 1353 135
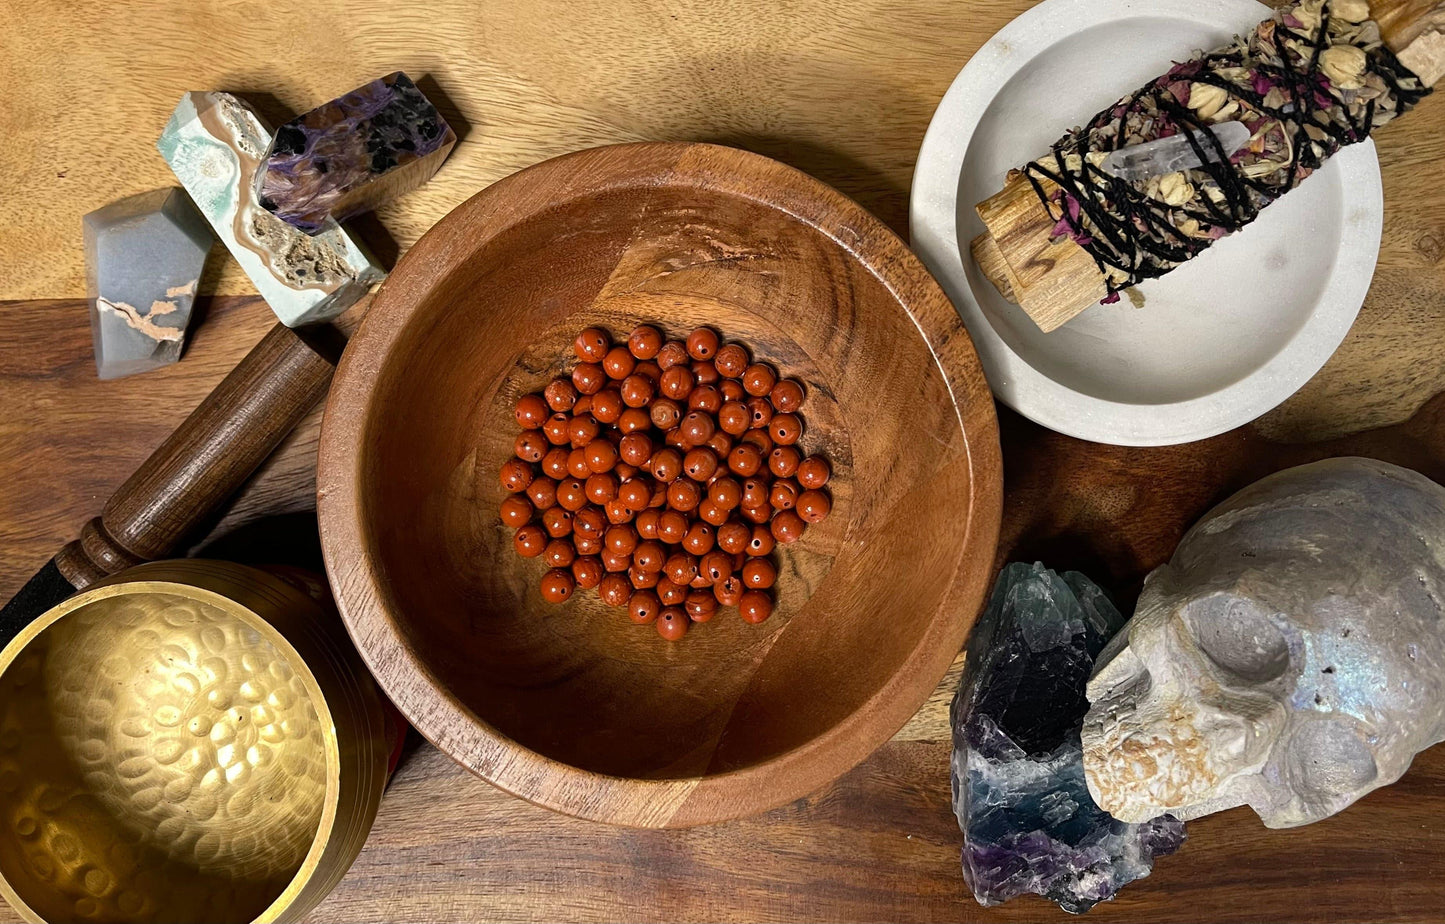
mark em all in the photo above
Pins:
pixel 574 707
pixel 1051 279
pixel 879 844
pixel 208 457
pixel 843 91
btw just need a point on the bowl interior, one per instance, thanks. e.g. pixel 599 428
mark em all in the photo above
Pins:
pixel 1204 326
pixel 159 760
pixel 578 683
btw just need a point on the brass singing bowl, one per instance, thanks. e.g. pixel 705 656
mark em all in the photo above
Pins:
pixel 186 741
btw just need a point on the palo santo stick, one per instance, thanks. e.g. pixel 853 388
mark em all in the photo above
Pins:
pixel 995 268
pixel 1054 280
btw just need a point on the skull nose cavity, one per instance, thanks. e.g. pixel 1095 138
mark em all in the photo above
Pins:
pixel 1238 635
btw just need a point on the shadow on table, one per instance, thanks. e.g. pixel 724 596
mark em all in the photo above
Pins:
pixel 1117 512
pixel 870 188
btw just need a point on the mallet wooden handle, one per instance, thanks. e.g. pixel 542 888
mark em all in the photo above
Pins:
pixel 1055 279
pixel 210 456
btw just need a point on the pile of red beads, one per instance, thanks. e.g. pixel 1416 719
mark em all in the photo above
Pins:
pixel 662 473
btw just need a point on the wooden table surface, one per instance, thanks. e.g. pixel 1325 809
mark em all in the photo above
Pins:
pixel 841 90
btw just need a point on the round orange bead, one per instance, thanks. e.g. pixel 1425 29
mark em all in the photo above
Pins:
pixel 558 429
pixel 761 542
pixel 785 429
pixel 683 494
pixel 699 464
pixel 814 505
pixel 677 382
pixel 561 394
pixel 614 590
pixel 557 521
pixel 759 573
pixel 644 341
pixel 716 566
pixel 607 406
pixel 705 398
pixel 673 353
pixel 571 494
pixel 646 524
pixel 672 623
pixel 515 476
pixel 758 379
pixel 554 463
pixel 732 537
pixel 619 363
pixel 643 607
pixel 634 420
pixel 671 527
pixel 530 541
pixel 787 396
pixel 542 492
pixel 665 413
pixel 731 360
pixel 591 344
pixel 559 553
pixel 700 605
pixel 745 459
pixel 755 606
pixel 702 343
pixel 557 585
pixel 680 568
pixel 813 472
pixel 697 428
pixel 588 379
pixel 699 539
pixel 729 590
pixel 587 571
pixel 783 495
pixel 671 594
pixel 532 411
pixel 531 445
pixel 635 449
pixel 734 417
pixel 516 511
pixel 787 526
pixel 637 391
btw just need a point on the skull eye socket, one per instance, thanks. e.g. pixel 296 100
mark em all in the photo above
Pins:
pixel 1236 634
pixel 1329 758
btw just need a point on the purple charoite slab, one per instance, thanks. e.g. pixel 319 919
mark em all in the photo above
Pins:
pixel 1029 824
pixel 353 154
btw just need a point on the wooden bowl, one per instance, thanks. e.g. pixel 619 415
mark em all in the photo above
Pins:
pixel 574 707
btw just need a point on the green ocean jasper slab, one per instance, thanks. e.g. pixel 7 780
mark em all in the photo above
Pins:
pixel 214 143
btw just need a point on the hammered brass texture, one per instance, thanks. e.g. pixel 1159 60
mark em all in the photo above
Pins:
pixel 163 759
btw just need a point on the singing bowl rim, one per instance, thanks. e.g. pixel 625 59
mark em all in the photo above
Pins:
pixel 359 585
pixel 203 581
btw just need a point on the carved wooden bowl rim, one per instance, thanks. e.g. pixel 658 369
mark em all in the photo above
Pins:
pixel 420 694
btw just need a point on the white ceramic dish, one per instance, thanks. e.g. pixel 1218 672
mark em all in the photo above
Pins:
pixel 1220 340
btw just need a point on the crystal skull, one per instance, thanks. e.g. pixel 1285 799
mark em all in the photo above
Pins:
pixel 1289 657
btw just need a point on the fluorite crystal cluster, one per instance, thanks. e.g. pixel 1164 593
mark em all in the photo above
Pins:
pixel 1028 822
pixel 352 154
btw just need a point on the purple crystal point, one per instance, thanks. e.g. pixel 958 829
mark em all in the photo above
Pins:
pixel 353 154
pixel 1029 824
